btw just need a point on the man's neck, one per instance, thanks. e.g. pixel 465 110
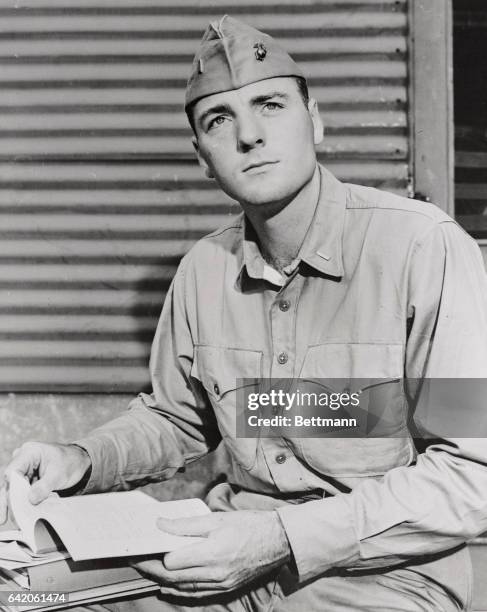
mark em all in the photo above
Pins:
pixel 281 234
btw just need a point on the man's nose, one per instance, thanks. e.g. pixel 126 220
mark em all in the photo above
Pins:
pixel 250 132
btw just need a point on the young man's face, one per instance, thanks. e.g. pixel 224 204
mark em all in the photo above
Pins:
pixel 258 141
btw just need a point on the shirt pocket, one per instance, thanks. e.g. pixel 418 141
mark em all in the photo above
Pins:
pixel 383 441
pixel 226 373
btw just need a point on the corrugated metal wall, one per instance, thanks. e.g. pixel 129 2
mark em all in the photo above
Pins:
pixel 100 194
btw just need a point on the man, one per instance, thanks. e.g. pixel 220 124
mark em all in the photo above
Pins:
pixel 315 280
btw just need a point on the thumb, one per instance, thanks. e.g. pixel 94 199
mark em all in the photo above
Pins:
pixel 41 489
pixel 192 526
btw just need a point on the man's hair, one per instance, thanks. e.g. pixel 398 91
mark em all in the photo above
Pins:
pixel 303 89
pixel 301 84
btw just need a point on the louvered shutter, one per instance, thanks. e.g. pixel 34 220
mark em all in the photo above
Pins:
pixel 100 193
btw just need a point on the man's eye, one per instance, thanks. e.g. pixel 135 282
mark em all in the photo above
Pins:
pixel 271 106
pixel 216 121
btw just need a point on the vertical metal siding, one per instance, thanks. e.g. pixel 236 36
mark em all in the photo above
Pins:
pixel 100 194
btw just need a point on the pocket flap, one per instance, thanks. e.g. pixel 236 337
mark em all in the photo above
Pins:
pixel 354 360
pixel 221 369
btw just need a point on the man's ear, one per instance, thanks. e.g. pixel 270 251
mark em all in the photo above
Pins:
pixel 317 121
pixel 201 160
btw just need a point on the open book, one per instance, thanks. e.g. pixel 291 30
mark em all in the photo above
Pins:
pixel 99 532
pixel 96 526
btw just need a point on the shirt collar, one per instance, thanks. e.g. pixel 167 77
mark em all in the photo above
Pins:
pixel 322 246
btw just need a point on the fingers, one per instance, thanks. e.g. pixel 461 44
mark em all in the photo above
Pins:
pixel 191 557
pixel 42 488
pixel 195 591
pixel 201 553
pixel 24 461
pixel 200 556
pixel 188 580
pixel 30 460
pixel 157 569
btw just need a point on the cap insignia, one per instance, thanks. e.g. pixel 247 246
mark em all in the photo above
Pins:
pixel 260 51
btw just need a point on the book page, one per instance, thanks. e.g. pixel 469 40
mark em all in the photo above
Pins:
pixel 14 552
pixel 14 556
pixel 26 515
pixel 102 525
pixel 22 509
pixel 116 524
pixel 10 535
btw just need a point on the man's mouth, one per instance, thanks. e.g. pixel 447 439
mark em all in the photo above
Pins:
pixel 259 164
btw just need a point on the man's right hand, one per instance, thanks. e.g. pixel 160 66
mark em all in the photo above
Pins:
pixel 48 467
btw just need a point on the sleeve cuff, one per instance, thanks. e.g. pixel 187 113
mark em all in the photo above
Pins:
pixel 321 535
pixel 104 463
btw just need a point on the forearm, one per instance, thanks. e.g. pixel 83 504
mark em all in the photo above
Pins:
pixel 139 447
pixel 413 511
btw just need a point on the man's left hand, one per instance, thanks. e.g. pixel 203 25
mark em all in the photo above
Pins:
pixel 239 547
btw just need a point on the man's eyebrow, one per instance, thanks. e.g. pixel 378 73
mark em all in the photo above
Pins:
pixel 265 97
pixel 218 108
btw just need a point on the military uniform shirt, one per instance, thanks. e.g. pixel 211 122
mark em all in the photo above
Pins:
pixel 382 287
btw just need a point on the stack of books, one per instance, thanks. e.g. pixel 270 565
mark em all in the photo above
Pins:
pixel 76 550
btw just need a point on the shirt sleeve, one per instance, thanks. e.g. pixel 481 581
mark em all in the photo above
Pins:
pixel 439 501
pixel 163 431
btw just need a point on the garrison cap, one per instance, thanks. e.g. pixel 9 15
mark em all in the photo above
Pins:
pixel 233 54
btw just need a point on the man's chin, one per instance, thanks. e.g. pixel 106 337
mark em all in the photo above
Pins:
pixel 261 195
pixel 259 201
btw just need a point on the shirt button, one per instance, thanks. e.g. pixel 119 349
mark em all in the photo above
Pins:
pixel 282 358
pixel 280 458
pixel 216 389
pixel 284 305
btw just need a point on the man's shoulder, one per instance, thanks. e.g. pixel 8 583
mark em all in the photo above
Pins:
pixel 219 244
pixel 394 206
pixel 229 231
